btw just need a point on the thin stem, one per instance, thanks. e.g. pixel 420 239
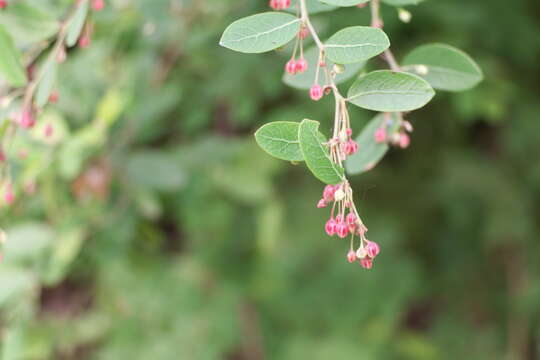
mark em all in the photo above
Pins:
pixel 376 21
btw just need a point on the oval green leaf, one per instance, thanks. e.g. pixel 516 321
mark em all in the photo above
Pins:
pixel 305 80
pixel 356 43
pixel 260 33
pixel 344 2
pixel 444 67
pixel 46 82
pixel 316 153
pixel 77 22
pixel 389 91
pixel 11 68
pixel 369 151
pixel 280 139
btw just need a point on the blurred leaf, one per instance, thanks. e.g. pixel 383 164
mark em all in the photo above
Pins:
pixel 402 2
pixel 63 252
pixel 47 82
pixel 260 33
pixel 10 63
pixel 155 170
pixel 28 240
pixel 28 24
pixel 388 91
pixel 344 2
pixel 76 24
pixel 14 283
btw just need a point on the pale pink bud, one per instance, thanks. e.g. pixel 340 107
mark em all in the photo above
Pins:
pixel 301 65
pixel 275 4
pixel 404 141
pixel 303 33
pixel 27 119
pixel 84 41
pixel 330 227
pixel 366 263
pixel 9 196
pixel 53 98
pixel 2 156
pixel 342 230
pixel 328 193
pixel 351 256
pixel 351 219
pixel 372 249
pixel 98 5
pixel 351 147
pixel 348 131
pixel 290 67
pixel 3 4
pixel 316 92
pixel 339 219
pixel 380 135
pixel 48 131
pixel 362 229
pixel 321 204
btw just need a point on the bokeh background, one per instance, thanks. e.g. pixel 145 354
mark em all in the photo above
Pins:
pixel 159 230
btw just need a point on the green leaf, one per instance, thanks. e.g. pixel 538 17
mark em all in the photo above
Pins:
pixel 27 241
pixel 356 43
pixel 76 24
pixel 369 151
pixel 10 63
pixel 280 139
pixel 344 2
pixel 444 67
pixel 260 33
pixel 316 153
pixel 402 2
pixel 47 81
pixel 313 7
pixel 306 79
pixel 15 282
pixel 28 24
pixel 389 91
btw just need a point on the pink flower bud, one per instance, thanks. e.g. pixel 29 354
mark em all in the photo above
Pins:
pixel 26 119
pixel 404 141
pixel 9 196
pixel 275 4
pixel 98 5
pixel 321 204
pixel 301 65
pixel 3 4
pixel 372 249
pixel 290 67
pixel 328 193
pixel 330 227
pixel 351 219
pixel 339 219
pixel 380 135
pixel 84 41
pixel 53 98
pixel 303 33
pixel 2 156
pixel 351 147
pixel 316 92
pixel 351 256
pixel 366 263
pixel 361 230
pixel 348 131
pixel 342 230
pixel 48 131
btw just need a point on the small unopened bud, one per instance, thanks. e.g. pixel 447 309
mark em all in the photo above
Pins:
pixel 366 263
pixel 9 196
pixel 53 98
pixel 351 256
pixel 301 65
pixel 48 130
pixel 351 147
pixel 351 219
pixel 3 4
pixel 26 119
pixel 98 5
pixel 330 227
pixel 303 33
pixel 84 41
pixel 404 141
pixel 328 193
pixel 404 15
pixel 290 67
pixel 321 204
pixel 339 194
pixel 339 68
pixel 316 93
pixel 421 69
pixel 342 230
pixel 380 135
pixel 372 249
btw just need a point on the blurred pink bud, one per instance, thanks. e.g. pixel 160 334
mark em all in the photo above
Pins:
pixel 84 41
pixel 290 67
pixel 27 119
pixel 330 227
pixel 372 249
pixel 316 92
pixel 404 141
pixel 366 263
pixel 53 98
pixel 351 147
pixel 351 256
pixel 348 131
pixel 301 65
pixel 380 135
pixel 98 5
pixel 9 196
pixel 321 204
pixel 351 219
pixel 3 4
pixel 328 193
pixel 303 33
pixel 48 131
pixel 342 230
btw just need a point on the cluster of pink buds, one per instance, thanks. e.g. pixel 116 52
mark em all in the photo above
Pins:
pixel 294 66
pixel 280 4
pixel 344 221
pixel 401 138
pixel 343 145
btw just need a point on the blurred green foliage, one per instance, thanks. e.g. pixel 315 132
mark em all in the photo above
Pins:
pixel 159 230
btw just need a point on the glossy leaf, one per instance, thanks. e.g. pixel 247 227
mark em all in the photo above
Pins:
pixel 356 43
pixel 316 153
pixel 280 139
pixel 369 151
pixel 11 67
pixel 389 91
pixel 444 67
pixel 344 2
pixel 76 25
pixel 306 79
pixel 260 33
